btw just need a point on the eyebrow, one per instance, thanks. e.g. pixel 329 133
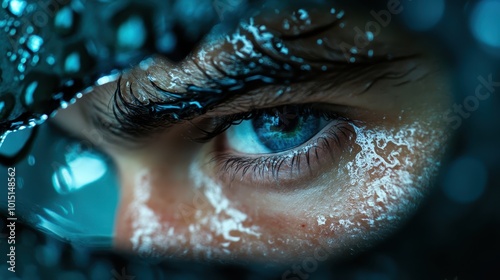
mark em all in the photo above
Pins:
pixel 132 119
pixel 131 122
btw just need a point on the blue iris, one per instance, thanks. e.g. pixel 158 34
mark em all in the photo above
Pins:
pixel 281 130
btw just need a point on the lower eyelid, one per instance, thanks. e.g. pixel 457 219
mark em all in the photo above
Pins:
pixel 282 171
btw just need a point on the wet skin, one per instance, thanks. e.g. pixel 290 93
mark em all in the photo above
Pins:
pixel 349 185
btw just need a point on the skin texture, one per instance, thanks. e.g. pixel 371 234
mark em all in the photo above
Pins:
pixel 178 201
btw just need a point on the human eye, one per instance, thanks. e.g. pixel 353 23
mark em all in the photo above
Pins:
pixel 278 144
pixel 271 139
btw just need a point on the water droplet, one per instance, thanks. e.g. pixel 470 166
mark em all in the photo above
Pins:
pixel 34 60
pixel 72 63
pixel 30 29
pixel 51 60
pixel 69 83
pixel 370 36
pixel 109 78
pixel 7 102
pixel 131 34
pixel 340 14
pixel 31 160
pixel 332 11
pixel 370 53
pixel 286 24
pixel 280 92
pixel 305 67
pixel 77 59
pixel 37 94
pixel 166 43
pixel 303 15
pixel 485 23
pixel 20 182
pixel 64 21
pixel 319 42
pixel 17 7
pixel 21 67
pixel 34 43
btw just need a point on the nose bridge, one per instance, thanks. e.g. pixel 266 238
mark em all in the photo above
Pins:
pixel 160 215
pixel 144 214
pixel 157 205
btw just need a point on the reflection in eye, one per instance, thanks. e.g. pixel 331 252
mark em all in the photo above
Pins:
pixel 286 122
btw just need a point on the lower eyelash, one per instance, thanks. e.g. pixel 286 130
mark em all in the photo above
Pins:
pixel 269 169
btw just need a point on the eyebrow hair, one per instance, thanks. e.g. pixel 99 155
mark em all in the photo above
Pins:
pixel 129 122
pixel 132 119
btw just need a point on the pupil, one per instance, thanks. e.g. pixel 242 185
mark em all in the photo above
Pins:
pixel 287 125
pixel 286 121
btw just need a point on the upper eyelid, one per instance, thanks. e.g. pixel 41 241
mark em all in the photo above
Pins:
pixel 320 91
pixel 306 95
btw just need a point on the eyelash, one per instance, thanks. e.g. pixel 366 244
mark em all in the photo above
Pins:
pixel 220 124
pixel 331 139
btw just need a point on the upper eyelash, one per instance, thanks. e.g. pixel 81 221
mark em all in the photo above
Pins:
pixel 223 123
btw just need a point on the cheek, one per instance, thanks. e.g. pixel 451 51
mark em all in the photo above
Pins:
pixel 195 219
pixel 386 180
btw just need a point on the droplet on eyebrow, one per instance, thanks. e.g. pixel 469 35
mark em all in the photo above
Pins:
pixel 286 24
